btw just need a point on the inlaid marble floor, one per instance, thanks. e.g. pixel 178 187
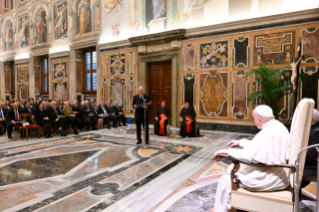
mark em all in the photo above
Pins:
pixel 106 171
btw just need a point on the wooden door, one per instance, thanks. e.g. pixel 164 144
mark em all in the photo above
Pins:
pixel 159 86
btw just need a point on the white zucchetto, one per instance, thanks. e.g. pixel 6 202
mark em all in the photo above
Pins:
pixel 264 111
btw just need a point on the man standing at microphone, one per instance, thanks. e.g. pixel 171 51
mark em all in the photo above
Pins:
pixel 140 104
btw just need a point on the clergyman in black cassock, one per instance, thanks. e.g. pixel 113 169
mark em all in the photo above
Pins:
pixel 162 116
pixel 188 125
pixel 140 119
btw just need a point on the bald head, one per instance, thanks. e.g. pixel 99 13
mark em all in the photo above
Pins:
pixel 53 104
pixel 141 90
pixel 315 116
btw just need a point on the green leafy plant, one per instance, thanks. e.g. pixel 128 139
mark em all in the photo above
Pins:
pixel 274 85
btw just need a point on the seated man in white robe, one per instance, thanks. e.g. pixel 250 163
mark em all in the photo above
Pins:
pixel 269 146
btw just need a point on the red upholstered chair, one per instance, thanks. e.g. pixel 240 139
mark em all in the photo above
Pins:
pixel 31 126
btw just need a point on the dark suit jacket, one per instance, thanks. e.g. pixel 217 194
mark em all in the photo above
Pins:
pixel 101 110
pixel 39 116
pixel 110 109
pixel 4 112
pixel 79 110
pixel 25 110
pixel 86 111
pixel 117 110
pixel 139 112
pixel 10 116
pixel 49 112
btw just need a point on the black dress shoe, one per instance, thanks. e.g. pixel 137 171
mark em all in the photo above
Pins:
pixel 46 136
pixel 50 136
pixel 9 137
pixel 63 134
pixel 139 142
pixel 147 143
pixel 76 132
pixel 125 125
pixel 108 127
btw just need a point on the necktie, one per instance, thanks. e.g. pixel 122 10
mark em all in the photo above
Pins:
pixel 17 118
pixel 0 113
pixel 55 111
pixel 29 110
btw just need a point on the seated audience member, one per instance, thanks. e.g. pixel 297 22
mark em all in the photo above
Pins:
pixel 29 110
pixel 3 112
pixel 188 126
pixel 82 103
pixel 70 117
pixel 21 103
pixel 8 104
pixel 312 154
pixel 45 105
pixel 269 146
pixel 55 116
pixel 111 113
pixel 60 105
pixel 32 104
pixel 98 116
pixel 119 114
pixel 76 107
pixel 88 116
pixel 42 120
pixel 12 118
pixel 105 115
pixel 162 116
pixel 40 99
pixel 92 101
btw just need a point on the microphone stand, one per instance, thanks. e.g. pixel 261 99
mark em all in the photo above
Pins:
pixel 144 104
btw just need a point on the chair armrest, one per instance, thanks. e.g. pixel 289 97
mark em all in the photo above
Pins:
pixel 227 157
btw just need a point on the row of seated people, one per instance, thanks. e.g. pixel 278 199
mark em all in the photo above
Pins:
pixel 47 115
pixel 188 124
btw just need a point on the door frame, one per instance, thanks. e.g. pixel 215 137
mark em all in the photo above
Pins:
pixel 173 56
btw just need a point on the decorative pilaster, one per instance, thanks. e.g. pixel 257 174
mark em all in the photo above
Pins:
pixel 72 89
pixel 98 73
pixel 31 77
pixel 2 81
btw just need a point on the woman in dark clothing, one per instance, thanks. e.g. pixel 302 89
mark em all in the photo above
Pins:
pixel 162 116
pixel 98 116
pixel 42 120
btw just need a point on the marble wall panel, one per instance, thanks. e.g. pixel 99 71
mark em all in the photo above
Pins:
pixel 7 78
pixel 105 91
pixel 60 70
pixel 61 91
pixel 240 91
pixel 118 91
pixel 274 48
pixel 104 64
pixel 189 89
pixel 213 55
pixel 131 90
pixel 310 43
pixel 189 56
pixel 23 91
pixel 79 76
pixel 37 79
pixel 23 74
pixel 241 52
pixel 311 77
pixel 117 64
pixel 131 62
pixel 213 94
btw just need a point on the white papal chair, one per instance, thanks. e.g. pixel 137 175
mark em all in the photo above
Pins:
pixel 286 199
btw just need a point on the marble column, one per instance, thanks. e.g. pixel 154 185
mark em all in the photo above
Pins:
pixel 98 74
pixel 49 79
pixel 2 81
pixel 72 88
pixel 31 77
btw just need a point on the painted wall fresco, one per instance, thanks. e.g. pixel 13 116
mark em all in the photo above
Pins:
pixel 8 39
pixel 41 23
pixel 23 31
pixel 84 15
pixel 60 11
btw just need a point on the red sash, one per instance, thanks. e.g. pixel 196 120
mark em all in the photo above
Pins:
pixel 162 124
pixel 188 124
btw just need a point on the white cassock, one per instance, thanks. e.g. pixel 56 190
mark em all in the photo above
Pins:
pixel 269 146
